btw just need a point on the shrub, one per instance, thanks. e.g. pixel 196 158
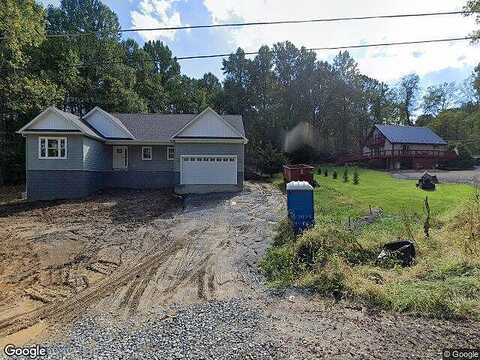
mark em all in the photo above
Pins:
pixel 285 233
pixel 345 174
pixel 356 177
pixel 315 246
pixel 305 154
pixel 269 159
pixel 331 280
pixel 325 173
pixel 319 171
pixel 463 161
pixel 334 175
pixel 276 265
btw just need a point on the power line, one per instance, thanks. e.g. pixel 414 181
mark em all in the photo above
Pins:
pixel 282 22
pixel 340 47
pixel 262 23
pixel 209 56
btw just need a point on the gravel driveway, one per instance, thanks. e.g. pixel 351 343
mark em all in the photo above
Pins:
pixel 463 176
pixel 196 293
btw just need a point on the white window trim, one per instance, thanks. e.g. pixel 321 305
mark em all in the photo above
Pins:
pixel 169 158
pixel 151 153
pixel 46 157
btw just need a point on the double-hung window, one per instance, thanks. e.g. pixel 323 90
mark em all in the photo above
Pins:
pixel 170 153
pixel 52 148
pixel 146 153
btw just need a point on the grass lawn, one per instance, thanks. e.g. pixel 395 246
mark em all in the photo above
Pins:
pixel 336 258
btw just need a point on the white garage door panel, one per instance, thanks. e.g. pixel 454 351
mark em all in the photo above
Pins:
pixel 208 169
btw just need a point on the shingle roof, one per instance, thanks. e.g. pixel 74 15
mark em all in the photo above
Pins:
pixel 76 120
pixel 161 127
pixel 410 135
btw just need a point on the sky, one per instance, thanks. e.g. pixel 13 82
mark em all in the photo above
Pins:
pixel 435 63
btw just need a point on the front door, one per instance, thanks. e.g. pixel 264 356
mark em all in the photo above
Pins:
pixel 120 157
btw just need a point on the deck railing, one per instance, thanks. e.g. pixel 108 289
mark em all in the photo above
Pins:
pixel 398 155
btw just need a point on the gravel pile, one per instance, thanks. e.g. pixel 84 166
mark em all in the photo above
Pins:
pixel 214 330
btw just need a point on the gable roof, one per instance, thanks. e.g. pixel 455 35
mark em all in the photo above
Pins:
pixel 410 135
pixel 113 122
pixel 233 129
pixel 162 127
pixel 72 119
pixel 138 127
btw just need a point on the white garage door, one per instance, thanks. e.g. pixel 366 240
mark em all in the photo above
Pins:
pixel 208 169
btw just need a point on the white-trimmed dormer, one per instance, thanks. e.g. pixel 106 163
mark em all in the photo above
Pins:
pixel 107 125
pixel 208 125
pixel 55 121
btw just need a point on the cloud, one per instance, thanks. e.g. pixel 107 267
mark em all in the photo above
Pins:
pixel 153 14
pixel 387 63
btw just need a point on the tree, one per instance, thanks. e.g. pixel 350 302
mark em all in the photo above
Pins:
pixel 473 8
pixel 23 91
pixel 164 64
pixel 356 177
pixel 407 94
pixel 439 98
pixel 345 174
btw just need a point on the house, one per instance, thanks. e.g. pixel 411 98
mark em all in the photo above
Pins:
pixel 396 147
pixel 68 156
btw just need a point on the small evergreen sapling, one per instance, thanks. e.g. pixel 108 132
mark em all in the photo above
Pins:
pixel 356 177
pixel 345 174
pixel 325 173
pixel 319 171
pixel 335 175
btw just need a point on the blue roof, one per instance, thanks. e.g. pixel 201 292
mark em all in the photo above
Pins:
pixel 410 135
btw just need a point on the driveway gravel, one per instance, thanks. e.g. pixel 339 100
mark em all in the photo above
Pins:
pixel 187 286
pixel 460 176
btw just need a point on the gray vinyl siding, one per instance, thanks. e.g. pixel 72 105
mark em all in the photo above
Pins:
pixel 159 160
pixel 74 160
pixel 88 168
pixel 96 155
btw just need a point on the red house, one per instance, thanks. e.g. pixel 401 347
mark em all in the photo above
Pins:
pixel 405 147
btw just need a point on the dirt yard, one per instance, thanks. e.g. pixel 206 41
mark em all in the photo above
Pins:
pixel 127 251
pixel 182 274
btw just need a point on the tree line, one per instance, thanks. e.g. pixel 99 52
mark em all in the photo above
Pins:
pixel 276 90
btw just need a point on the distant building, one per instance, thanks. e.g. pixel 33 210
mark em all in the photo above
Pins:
pixel 405 147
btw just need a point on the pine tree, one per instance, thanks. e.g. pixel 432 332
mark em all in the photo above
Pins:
pixel 319 171
pixel 356 177
pixel 345 174
pixel 334 175
pixel 325 172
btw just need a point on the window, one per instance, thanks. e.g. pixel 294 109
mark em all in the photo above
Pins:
pixel 52 148
pixel 170 153
pixel 146 153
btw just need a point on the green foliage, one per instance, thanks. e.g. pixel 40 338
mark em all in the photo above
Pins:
pixel 304 154
pixel 277 265
pixel 319 171
pixel 464 159
pixel 473 8
pixel 356 177
pixel 345 174
pixel 443 282
pixel 325 173
pixel 334 175
pixel 285 233
pixel 269 160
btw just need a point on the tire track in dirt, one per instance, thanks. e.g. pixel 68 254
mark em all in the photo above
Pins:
pixel 73 307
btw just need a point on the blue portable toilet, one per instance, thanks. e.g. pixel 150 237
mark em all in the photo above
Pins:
pixel 300 205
